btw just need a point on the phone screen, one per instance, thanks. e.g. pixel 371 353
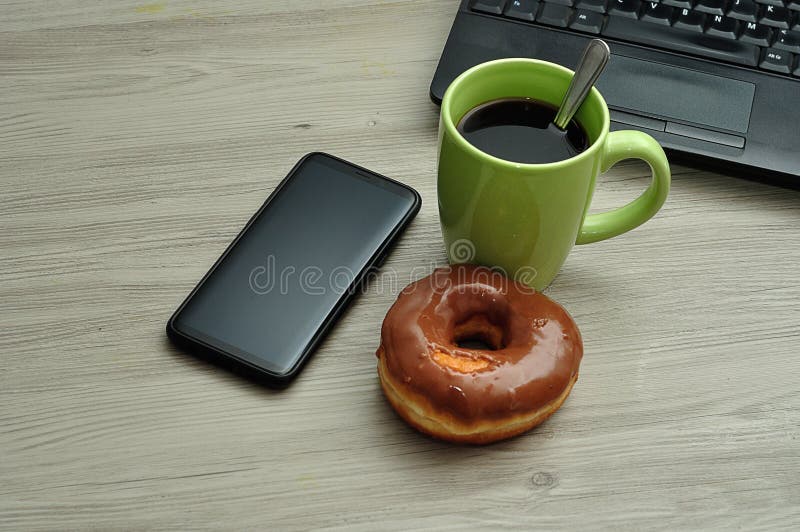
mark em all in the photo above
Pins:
pixel 278 285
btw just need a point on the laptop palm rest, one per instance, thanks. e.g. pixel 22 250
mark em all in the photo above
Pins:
pixel 655 90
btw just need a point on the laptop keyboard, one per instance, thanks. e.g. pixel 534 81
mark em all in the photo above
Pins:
pixel 764 34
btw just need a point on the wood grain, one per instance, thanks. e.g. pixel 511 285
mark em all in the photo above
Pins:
pixel 135 140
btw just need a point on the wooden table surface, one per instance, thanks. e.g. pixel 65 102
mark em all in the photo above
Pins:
pixel 135 141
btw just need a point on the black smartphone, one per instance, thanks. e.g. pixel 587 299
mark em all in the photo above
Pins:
pixel 269 299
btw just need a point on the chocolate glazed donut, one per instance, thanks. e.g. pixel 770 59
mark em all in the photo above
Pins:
pixel 533 350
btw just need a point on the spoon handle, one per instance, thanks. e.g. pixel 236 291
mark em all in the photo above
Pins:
pixel 594 59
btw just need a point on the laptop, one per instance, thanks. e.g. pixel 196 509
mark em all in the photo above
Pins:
pixel 712 79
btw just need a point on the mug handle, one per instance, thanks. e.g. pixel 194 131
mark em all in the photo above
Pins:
pixel 622 145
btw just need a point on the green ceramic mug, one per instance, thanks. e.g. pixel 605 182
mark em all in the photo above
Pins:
pixel 525 218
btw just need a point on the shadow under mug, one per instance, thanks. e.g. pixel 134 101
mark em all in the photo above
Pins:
pixel 525 218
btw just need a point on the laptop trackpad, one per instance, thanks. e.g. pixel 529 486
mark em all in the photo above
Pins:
pixel 670 92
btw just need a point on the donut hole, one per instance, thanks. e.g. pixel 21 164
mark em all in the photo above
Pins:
pixel 479 332
pixel 475 343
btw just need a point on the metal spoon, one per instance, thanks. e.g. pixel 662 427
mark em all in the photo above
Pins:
pixel 592 63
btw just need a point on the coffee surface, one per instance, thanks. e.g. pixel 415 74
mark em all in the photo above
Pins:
pixel 521 130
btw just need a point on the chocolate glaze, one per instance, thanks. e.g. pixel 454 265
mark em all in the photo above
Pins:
pixel 539 352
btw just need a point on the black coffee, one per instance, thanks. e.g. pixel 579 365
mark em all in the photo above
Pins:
pixel 522 130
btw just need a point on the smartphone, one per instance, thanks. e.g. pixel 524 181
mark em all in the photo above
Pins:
pixel 269 299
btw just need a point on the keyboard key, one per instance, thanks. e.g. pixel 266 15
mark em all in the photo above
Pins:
pixel 598 6
pixel 788 40
pixel 522 9
pixel 746 10
pixel 777 61
pixel 673 38
pixel 777 17
pixel 555 15
pixel 777 3
pixel 624 8
pixel 756 34
pixel 683 4
pixel 657 13
pixel 712 7
pixel 690 20
pixel 587 21
pixel 495 7
pixel 794 5
pixel 567 3
pixel 722 26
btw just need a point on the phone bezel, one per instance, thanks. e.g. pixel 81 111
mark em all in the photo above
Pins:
pixel 229 358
